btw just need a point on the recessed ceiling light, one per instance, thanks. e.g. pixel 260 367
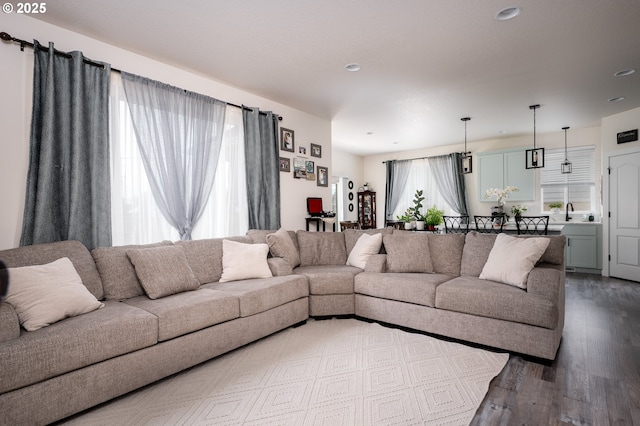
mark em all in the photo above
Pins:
pixel 624 73
pixel 352 67
pixel 508 13
pixel 619 98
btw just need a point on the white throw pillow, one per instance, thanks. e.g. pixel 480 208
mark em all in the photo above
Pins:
pixel 44 294
pixel 365 246
pixel 244 261
pixel 511 259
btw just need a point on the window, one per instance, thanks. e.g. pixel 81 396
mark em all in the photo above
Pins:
pixel 134 215
pixel 420 178
pixel 578 187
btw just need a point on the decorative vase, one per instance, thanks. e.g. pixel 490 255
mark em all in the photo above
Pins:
pixel 518 217
pixel 497 212
pixel 420 225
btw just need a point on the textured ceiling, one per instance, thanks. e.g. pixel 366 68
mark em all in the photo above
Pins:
pixel 425 63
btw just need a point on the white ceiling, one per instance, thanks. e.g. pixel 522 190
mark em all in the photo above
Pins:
pixel 425 63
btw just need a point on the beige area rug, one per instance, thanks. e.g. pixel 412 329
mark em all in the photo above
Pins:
pixel 332 372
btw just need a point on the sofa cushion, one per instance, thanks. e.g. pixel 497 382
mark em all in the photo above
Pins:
pixel 416 288
pixel 281 245
pixel 366 246
pixel 351 236
pixel 511 259
pixel 260 295
pixel 205 257
pixel 39 254
pixel 75 343
pixel 477 247
pixel 116 271
pixel 244 261
pixel 408 252
pixel 9 323
pixel 45 294
pixel 163 271
pixel 190 311
pixel 321 248
pixel 490 299
pixel 446 253
pixel 259 236
pixel 337 279
pixel 554 254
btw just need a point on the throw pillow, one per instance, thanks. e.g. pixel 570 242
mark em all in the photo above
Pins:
pixel 511 259
pixel 44 294
pixel 281 245
pixel 163 271
pixel 408 252
pixel 244 261
pixel 365 247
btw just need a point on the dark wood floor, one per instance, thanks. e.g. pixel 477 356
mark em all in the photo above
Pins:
pixel 595 378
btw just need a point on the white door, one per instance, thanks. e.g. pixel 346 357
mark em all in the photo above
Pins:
pixel 624 224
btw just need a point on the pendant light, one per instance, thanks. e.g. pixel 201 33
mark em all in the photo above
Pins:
pixel 466 165
pixel 565 167
pixel 535 156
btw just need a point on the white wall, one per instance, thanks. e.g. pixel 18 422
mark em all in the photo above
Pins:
pixel 611 126
pixel 15 116
pixel 349 167
pixel 374 170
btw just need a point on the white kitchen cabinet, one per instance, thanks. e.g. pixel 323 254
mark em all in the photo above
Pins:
pixel 499 169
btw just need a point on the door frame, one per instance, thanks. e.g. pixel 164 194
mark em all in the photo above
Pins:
pixel 605 195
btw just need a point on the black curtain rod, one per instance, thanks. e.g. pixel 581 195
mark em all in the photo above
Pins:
pixel 7 37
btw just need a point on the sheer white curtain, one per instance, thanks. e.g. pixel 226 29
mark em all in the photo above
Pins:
pixel 227 212
pixel 420 178
pixel 135 216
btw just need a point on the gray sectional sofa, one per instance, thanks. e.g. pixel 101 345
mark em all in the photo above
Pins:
pixel 133 340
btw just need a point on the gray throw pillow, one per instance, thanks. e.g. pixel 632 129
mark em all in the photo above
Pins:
pixel 281 245
pixel 163 271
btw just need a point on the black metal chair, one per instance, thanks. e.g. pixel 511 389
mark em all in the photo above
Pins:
pixel 490 224
pixel 533 225
pixel 456 224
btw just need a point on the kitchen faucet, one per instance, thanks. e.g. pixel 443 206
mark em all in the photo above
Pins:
pixel 567 217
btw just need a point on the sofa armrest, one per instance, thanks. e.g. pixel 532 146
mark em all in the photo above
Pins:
pixel 545 281
pixel 9 323
pixel 279 266
pixel 376 263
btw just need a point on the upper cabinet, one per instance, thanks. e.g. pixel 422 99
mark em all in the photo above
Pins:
pixel 499 169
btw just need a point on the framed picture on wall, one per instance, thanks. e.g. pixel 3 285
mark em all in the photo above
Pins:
pixel 316 150
pixel 323 176
pixel 299 168
pixel 287 142
pixel 285 164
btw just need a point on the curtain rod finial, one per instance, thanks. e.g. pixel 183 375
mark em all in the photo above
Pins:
pixel 5 36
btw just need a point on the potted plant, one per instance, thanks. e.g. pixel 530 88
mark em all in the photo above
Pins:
pixel 417 206
pixel 407 218
pixel 517 211
pixel 434 217
pixel 555 206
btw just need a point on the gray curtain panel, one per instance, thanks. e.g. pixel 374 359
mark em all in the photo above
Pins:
pixel 446 172
pixel 397 175
pixel 68 182
pixel 263 172
pixel 179 136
